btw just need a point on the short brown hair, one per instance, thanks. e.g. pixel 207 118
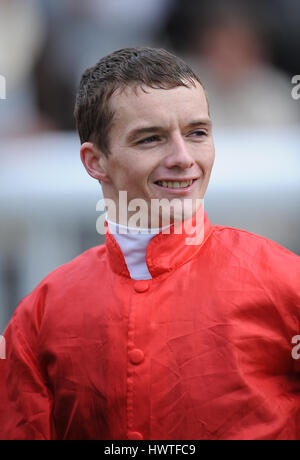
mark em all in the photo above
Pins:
pixel 155 68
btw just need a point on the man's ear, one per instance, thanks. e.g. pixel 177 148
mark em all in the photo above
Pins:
pixel 94 161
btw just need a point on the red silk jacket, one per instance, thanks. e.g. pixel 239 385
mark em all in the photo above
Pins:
pixel 200 351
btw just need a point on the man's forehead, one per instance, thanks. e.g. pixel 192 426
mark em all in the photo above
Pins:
pixel 139 94
pixel 135 103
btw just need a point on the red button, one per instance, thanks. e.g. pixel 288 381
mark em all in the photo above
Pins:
pixel 141 285
pixel 135 436
pixel 136 356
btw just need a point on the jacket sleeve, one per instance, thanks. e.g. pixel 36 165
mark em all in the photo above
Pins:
pixel 25 399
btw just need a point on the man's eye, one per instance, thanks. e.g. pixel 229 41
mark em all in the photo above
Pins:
pixel 199 133
pixel 148 140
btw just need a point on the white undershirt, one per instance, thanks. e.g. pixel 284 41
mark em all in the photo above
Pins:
pixel 133 246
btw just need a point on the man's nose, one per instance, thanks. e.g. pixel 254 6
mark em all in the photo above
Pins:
pixel 179 154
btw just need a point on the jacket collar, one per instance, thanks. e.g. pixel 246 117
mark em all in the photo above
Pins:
pixel 167 250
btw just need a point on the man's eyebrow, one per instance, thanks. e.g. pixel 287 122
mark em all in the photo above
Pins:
pixel 135 133
pixel 201 122
pixel 132 135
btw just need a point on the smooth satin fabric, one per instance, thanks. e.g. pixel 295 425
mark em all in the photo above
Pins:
pixel 200 351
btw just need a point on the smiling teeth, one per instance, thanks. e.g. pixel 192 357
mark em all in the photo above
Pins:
pixel 175 184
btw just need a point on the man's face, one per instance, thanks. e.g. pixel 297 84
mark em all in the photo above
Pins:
pixel 161 145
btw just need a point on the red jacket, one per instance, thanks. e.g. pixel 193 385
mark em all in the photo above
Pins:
pixel 200 351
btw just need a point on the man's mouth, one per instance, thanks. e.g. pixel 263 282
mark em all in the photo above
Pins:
pixel 175 184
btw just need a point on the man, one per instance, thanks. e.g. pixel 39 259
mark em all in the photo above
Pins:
pixel 154 336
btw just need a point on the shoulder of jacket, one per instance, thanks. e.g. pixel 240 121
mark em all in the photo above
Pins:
pixel 240 239
pixel 73 270
pixel 81 262
pixel 60 282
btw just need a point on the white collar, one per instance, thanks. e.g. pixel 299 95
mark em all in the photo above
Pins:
pixel 133 243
